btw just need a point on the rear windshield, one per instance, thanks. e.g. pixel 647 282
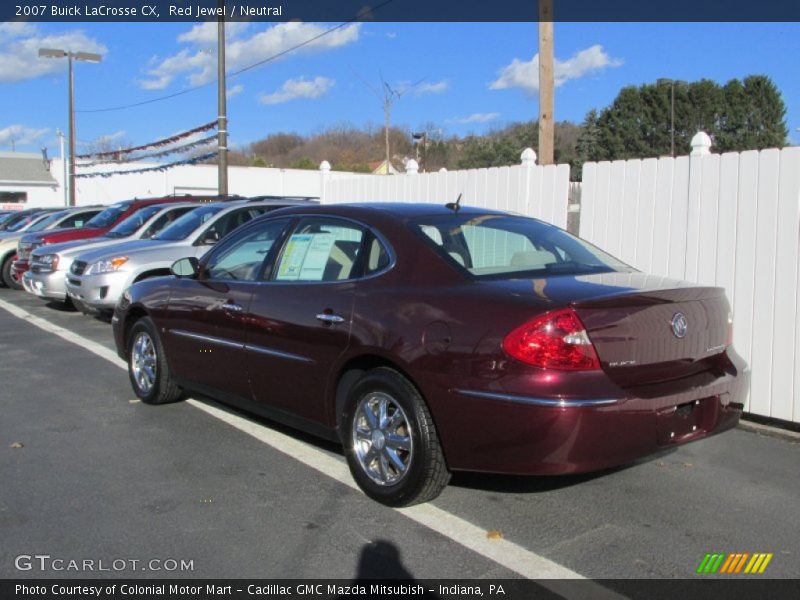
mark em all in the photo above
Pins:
pixel 109 216
pixel 505 246
pixel 134 222
pixel 183 227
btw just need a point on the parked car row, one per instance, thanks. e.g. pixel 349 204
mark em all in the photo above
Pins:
pixel 426 339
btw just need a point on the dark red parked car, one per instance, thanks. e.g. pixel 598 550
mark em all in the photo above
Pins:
pixel 430 339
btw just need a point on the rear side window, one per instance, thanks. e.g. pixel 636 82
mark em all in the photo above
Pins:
pixel 507 246
pixel 321 250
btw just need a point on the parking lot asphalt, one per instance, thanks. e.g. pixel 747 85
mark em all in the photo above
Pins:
pixel 101 476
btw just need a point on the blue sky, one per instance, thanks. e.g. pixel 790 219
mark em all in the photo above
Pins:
pixel 476 75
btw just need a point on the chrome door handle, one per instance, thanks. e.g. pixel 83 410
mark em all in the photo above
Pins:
pixel 328 318
pixel 232 306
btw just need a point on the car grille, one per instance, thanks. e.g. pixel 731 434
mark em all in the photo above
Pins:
pixel 78 267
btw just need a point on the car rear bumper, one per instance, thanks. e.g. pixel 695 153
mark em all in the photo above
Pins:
pixel 98 291
pixel 45 285
pixel 484 430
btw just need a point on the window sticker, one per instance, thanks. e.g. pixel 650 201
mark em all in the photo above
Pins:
pixel 317 257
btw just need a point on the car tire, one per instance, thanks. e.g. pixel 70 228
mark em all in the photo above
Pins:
pixel 390 440
pixel 147 365
pixel 8 278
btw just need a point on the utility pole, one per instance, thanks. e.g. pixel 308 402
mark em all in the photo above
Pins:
pixel 387 108
pixel 546 83
pixel 222 105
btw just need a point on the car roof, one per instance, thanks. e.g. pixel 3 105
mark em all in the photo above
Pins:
pixel 399 210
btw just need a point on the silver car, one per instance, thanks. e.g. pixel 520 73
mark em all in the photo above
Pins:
pixel 50 264
pixel 97 278
pixel 39 221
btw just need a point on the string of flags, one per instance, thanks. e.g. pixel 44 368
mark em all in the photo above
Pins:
pixel 118 154
pixel 153 150
pixel 175 150
pixel 189 161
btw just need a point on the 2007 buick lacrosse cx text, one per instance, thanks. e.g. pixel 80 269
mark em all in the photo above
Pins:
pixel 429 339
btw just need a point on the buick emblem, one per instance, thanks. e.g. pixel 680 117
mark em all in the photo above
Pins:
pixel 679 325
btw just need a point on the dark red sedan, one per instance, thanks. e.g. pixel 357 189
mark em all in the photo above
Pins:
pixel 430 339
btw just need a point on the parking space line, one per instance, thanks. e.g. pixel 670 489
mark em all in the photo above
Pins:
pixel 503 552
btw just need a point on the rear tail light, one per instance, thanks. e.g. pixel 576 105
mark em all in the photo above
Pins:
pixel 555 340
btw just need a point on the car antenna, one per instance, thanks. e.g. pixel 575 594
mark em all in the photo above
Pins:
pixel 455 206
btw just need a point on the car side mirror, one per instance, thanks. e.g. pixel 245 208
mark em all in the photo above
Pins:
pixel 186 267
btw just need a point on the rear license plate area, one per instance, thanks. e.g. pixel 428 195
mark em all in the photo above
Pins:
pixel 681 422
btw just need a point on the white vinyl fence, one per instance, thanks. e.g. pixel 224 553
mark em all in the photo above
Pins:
pixel 527 188
pixel 731 220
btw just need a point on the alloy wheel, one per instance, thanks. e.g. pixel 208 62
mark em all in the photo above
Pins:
pixel 382 439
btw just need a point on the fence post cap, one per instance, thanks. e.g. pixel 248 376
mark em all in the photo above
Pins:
pixel 412 167
pixel 528 157
pixel 325 166
pixel 701 144
pixel 443 170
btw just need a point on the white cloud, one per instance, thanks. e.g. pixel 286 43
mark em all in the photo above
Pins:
pixel 476 118
pixel 525 74
pixel 197 62
pixel 235 90
pixel 299 88
pixel 19 135
pixel 432 88
pixel 19 50
pixel 206 33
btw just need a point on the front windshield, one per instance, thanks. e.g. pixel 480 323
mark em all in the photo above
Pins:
pixel 109 215
pixel 43 223
pixel 23 222
pixel 183 227
pixel 505 246
pixel 134 222
pixel 6 218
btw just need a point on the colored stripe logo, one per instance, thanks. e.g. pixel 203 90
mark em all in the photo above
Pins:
pixel 734 563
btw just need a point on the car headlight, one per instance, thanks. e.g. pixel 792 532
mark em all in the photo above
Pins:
pixel 106 266
pixel 47 262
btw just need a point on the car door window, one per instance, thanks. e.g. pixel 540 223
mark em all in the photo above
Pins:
pixel 77 220
pixel 242 258
pixel 320 250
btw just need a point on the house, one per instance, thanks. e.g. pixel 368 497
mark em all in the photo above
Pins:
pixel 378 167
pixel 25 178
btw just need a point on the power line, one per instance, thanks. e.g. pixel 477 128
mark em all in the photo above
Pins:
pixel 362 12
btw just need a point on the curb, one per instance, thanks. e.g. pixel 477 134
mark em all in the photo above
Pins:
pixel 768 430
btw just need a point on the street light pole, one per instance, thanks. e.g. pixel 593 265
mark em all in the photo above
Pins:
pixel 71 175
pixel 222 106
pixel 69 55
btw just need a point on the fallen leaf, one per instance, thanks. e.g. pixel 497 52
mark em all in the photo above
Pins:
pixel 494 535
pixel 688 465
pixel 16 445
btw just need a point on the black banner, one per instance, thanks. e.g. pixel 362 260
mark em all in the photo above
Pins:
pixel 468 589
pixel 84 11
